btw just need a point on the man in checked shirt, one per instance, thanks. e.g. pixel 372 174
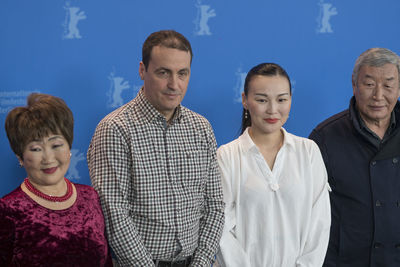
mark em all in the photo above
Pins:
pixel 153 164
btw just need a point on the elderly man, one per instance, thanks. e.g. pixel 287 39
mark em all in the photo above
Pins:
pixel 154 165
pixel 361 150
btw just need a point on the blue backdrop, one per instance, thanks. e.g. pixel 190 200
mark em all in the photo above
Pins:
pixel 88 53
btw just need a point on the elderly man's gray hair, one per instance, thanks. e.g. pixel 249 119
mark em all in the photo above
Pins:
pixel 376 57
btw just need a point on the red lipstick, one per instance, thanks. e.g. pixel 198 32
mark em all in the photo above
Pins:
pixel 49 170
pixel 271 120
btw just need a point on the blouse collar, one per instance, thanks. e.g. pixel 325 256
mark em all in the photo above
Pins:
pixel 248 145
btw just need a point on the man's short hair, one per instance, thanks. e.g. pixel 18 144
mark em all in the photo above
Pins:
pixel 165 38
pixel 43 115
pixel 376 57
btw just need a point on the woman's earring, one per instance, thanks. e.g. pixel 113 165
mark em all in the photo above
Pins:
pixel 20 164
pixel 70 154
pixel 246 115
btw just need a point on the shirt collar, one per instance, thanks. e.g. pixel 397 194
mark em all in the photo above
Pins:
pixel 249 146
pixel 150 113
pixel 288 139
pixel 362 128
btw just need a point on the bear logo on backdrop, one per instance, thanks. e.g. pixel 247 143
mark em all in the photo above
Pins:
pixel 238 89
pixel 76 157
pixel 72 17
pixel 327 10
pixel 118 85
pixel 11 99
pixel 204 13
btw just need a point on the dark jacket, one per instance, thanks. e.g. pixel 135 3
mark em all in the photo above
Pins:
pixel 365 197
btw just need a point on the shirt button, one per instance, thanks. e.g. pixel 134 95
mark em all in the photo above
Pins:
pixel 395 160
pixel 378 203
pixel 274 187
pixel 373 163
pixel 377 245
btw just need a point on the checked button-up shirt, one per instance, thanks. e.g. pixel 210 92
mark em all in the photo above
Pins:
pixel 159 184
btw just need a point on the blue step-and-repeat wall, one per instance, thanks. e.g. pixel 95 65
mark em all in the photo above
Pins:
pixel 88 53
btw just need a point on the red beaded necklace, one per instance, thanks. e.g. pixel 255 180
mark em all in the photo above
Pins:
pixel 36 192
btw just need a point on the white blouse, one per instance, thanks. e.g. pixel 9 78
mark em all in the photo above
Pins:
pixel 274 218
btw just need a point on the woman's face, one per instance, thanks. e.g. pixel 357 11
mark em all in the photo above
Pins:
pixel 46 161
pixel 268 101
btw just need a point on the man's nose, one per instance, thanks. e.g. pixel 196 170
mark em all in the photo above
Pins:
pixel 378 92
pixel 173 82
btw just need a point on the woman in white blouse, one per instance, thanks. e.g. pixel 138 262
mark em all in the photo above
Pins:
pixel 275 183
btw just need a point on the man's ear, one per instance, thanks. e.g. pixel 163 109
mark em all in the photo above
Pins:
pixel 354 84
pixel 142 70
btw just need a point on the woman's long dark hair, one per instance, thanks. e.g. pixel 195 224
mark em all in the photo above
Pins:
pixel 264 69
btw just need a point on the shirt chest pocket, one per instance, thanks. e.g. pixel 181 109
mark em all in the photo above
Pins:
pixel 193 168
